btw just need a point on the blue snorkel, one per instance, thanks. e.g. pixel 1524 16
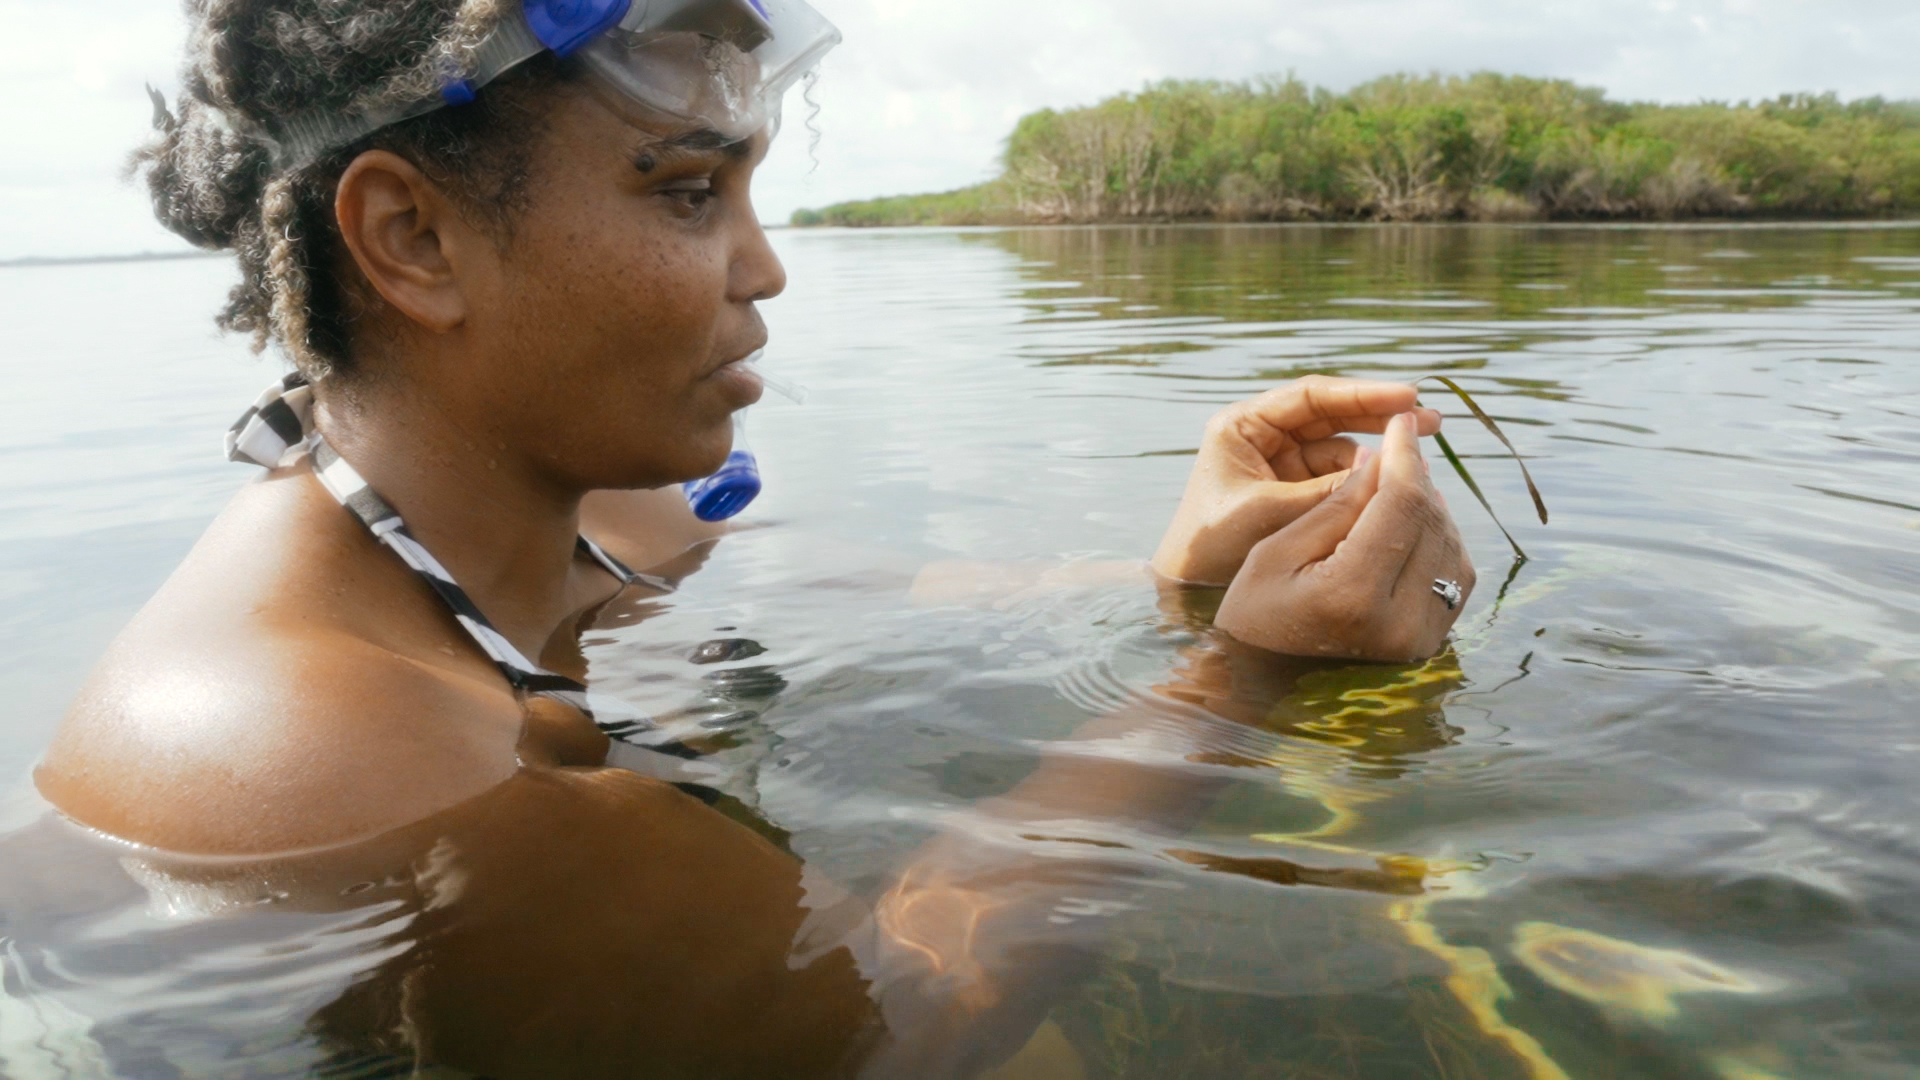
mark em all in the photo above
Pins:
pixel 727 492
pixel 737 483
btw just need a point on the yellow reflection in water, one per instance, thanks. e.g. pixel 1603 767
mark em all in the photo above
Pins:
pixel 1340 719
pixel 1606 971
pixel 1367 718
pixel 1475 980
pixel 1749 1063
pixel 1621 974
pixel 1344 731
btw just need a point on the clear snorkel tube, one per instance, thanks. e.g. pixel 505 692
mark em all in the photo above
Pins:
pixel 728 491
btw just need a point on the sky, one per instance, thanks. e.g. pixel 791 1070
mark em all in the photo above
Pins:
pixel 923 92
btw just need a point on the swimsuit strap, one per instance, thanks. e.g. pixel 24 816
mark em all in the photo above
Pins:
pixel 279 427
pixel 383 521
pixel 275 428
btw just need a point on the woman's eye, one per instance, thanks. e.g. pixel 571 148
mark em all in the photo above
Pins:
pixel 693 194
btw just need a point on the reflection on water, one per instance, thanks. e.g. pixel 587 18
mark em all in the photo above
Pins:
pixel 1654 813
pixel 1618 973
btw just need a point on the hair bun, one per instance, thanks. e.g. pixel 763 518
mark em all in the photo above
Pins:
pixel 250 65
pixel 205 178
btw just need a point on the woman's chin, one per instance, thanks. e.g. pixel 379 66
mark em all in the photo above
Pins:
pixel 712 455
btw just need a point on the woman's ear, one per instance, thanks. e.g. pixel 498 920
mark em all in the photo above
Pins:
pixel 408 239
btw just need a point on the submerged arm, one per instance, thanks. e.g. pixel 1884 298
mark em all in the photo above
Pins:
pixel 984 926
pixel 597 918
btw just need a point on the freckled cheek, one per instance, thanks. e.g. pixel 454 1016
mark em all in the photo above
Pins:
pixel 645 308
pixel 660 313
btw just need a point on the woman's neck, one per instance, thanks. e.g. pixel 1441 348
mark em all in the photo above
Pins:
pixel 498 522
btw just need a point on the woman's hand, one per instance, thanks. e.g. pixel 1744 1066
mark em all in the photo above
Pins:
pixel 1266 461
pixel 1355 576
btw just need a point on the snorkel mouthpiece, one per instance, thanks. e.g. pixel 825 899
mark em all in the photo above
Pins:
pixel 727 492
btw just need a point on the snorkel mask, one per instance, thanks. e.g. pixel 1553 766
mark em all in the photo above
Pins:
pixel 720 64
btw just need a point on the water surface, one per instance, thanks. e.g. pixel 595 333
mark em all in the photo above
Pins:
pixel 1664 786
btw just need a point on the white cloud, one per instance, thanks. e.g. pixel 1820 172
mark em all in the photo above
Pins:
pixel 923 92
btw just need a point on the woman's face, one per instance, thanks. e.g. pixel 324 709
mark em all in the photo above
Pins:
pixel 627 286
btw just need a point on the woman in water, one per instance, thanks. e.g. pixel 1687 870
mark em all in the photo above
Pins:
pixel 517 295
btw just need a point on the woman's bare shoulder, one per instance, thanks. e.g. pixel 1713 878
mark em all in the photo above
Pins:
pixel 287 687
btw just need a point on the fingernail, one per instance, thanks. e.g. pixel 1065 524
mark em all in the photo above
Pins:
pixel 1360 457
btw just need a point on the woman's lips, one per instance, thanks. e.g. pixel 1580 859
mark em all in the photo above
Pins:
pixel 740 378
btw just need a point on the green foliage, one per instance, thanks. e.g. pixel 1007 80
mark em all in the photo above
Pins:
pixel 1427 148
pixel 982 204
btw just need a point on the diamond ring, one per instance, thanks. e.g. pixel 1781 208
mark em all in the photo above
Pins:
pixel 1448 591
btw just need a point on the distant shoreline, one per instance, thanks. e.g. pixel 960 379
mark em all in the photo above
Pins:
pixel 1691 225
pixel 1484 147
pixel 1742 224
pixel 83 260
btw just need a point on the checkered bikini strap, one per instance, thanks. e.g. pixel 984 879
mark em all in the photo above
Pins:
pixel 279 427
pixel 386 526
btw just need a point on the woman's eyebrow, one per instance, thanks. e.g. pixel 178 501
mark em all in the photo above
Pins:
pixel 700 139
pixel 692 143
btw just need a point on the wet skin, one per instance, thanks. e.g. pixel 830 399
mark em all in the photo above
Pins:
pixel 293 687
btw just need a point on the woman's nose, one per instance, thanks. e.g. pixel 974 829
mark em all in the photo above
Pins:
pixel 757 273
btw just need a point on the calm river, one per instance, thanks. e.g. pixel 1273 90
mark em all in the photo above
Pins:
pixel 1656 814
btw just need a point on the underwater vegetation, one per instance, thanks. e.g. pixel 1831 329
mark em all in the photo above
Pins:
pixel 1482 147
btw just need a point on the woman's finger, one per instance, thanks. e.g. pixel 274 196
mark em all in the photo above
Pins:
pixel 1429 421
pixel 1324 457
pixel 1437 557
pixel 1422 592
pixel 1401 511
pixel 1316 406
pixel 1319 532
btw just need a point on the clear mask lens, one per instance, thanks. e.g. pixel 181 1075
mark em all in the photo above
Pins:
pixel 725 64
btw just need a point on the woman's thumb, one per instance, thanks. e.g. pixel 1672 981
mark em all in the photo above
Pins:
pixel 1319 531
pixel 1276 504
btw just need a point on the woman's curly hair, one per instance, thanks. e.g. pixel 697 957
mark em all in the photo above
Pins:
pixel 251 65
